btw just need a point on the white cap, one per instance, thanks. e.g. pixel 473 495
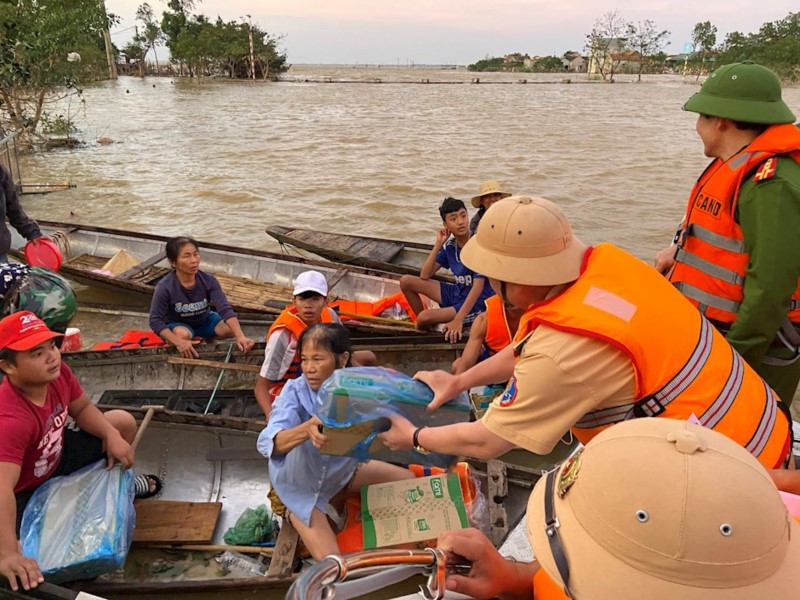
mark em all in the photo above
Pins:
pixel 310 281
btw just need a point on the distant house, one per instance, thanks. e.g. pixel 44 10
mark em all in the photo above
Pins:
pixel 602 55
pixel 627 61
pixel 575 63
pixel 516 57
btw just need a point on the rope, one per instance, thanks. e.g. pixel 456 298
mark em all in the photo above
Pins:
pixel 219 380
pixel 62 239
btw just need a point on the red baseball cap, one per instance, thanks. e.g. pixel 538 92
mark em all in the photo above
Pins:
pixel 24 330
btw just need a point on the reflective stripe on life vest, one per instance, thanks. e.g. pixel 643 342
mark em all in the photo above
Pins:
pixel 683 367
pixel 711 261
pixel 656 403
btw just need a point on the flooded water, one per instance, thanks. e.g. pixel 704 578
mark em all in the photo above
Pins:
pixel 221 160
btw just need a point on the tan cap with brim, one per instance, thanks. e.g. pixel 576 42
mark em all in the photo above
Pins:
pixel 525 240
pixel 664 509
pixel 486 188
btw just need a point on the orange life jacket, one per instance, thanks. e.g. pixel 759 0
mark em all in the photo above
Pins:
pixel 544 588
pixel 373 309
pixel 133 338
pixel 498 333
pixel 288 319
pixel 712 259
pixel 683 367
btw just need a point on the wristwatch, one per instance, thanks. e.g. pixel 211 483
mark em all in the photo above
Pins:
pixel 415 441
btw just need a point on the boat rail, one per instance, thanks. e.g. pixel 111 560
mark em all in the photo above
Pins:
pixel 328 578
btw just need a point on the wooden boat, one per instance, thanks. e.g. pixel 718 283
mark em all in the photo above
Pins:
pixel 255 281
pixel 169 558
pixel 394 256
pixel 132 378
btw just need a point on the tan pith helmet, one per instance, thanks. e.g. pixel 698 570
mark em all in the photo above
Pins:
pixel 525 240
pixel 486 188
pixel 664 510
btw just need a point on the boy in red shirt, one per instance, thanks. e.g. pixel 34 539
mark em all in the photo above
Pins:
pixel 37 395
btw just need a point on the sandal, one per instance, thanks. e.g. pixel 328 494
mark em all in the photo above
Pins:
pixel 142 486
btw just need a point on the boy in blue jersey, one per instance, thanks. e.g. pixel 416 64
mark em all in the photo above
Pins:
pixel 461 301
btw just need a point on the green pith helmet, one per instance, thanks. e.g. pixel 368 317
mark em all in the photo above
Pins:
pixel 744 92
pixel 44 293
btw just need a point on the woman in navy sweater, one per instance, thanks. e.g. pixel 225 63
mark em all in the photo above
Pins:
pixel 181 307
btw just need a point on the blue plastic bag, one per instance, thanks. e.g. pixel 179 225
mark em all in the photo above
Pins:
pixel 81 525
pixel 362 398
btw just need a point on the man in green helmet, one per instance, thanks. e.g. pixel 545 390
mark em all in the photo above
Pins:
pixel 737 253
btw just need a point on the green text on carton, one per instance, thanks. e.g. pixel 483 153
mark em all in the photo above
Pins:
pixel 412 511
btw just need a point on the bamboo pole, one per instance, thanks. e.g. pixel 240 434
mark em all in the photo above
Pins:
pixel 210 548
pixel 212 364
pixel 112 67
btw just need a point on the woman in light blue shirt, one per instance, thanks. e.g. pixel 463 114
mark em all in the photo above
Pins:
pixel 313 485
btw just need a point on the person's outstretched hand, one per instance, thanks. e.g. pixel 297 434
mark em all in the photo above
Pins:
pixel 444 385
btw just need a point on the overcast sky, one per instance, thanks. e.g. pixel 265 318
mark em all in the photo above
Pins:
pixel 457 31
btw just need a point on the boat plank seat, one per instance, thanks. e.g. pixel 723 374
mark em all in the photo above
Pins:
pixel 170 522
pixel 346 247
pixel 86 262
pixel 380 250
pixel 256 295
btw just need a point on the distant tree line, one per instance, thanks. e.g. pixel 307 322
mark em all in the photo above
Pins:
pixel 519 63
pixel 616 45
pixel 200 47
pixel 50 48
pixel 775 45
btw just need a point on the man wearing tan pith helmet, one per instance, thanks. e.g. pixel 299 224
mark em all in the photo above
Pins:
pixel 604 339
pixel 651 509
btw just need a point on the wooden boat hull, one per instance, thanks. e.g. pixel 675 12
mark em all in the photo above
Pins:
pixel 255 281
pixel 137 377
pixel 177 453
pixel 394 256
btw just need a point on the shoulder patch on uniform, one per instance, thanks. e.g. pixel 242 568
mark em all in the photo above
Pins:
pixel 766 170
pixel 510 394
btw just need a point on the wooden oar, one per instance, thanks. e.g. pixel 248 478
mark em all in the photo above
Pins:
pixel 277 304
pixel 148 416
pixel 382 320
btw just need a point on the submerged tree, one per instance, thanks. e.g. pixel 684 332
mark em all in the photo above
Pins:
pixel 704 38
pixel 47 49
pixel 605 44
pixel 221 47
pixel 644 38
pixel 151 34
